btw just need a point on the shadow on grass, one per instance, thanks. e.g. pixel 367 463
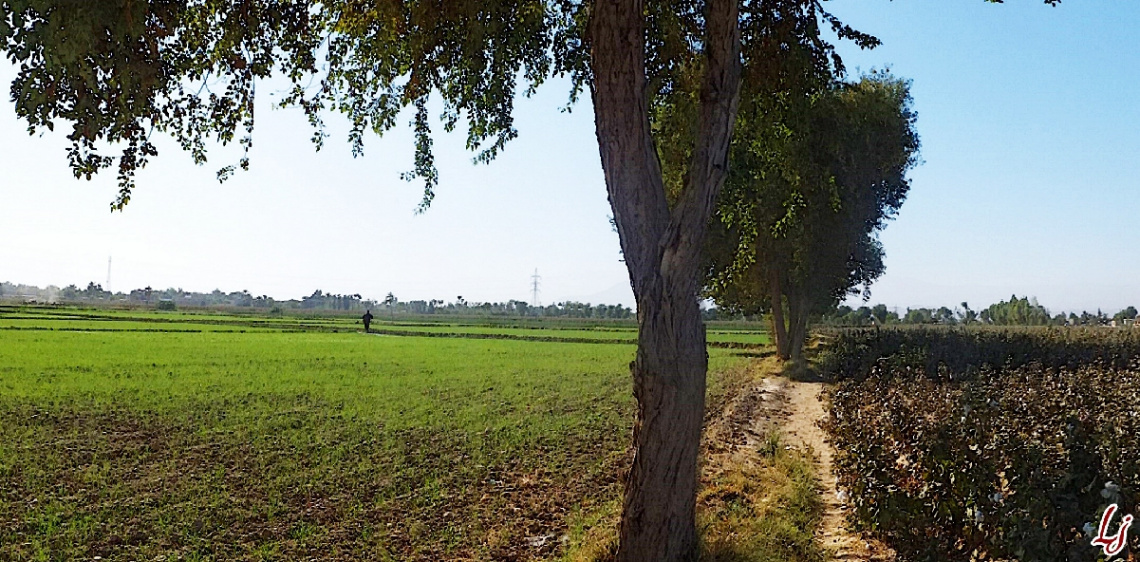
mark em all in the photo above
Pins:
pixel 804 369
pixel 755 354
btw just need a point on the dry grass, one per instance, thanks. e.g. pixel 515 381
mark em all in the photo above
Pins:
pixel 759 500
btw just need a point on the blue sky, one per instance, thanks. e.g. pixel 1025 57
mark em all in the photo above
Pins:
pixel 1031 141
pixel 1029 123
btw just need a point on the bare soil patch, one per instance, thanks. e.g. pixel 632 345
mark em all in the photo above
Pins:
pixel 131 486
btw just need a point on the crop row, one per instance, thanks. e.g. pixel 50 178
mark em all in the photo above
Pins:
pixel 952 447
pixel 959 353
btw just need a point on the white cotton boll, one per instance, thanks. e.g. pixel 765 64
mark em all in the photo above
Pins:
pixel 1111 490
pixel 1089 529
pixel 997 497
pixel 978 517
pixel 841 496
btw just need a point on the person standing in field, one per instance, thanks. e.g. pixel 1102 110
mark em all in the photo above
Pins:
pixel 367 320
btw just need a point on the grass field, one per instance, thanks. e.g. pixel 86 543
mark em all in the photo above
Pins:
pixel 244 438
pixel 720 334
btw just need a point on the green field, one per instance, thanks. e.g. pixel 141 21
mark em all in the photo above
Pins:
pixel 133 435
pixel 720 334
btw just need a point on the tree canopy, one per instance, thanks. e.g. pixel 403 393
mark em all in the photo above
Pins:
pixel 1016 312
pixel 118 71
pixel 801 220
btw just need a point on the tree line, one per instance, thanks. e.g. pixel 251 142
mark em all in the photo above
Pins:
pixel 513 308
pixel 172 298
pixel 1023 311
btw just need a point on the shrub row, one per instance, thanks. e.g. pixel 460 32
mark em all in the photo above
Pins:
pixel 955 353
pixel 945 459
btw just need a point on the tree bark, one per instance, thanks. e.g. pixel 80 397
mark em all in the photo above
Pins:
pixel 797 325
pixel 779 332
pixel 658 521
pixel 662 250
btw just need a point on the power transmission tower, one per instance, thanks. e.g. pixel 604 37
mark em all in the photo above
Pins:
pixel 534 281
pixel 108 288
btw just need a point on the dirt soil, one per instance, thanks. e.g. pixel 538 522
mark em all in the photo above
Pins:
pixel 805 408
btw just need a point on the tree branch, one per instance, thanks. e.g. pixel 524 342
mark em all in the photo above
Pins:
pixel 720 96
pixel 629 158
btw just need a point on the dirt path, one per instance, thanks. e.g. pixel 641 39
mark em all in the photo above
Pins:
pixel 805 409
pixel 768 401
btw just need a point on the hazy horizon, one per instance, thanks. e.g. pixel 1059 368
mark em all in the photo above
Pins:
pixel 616 291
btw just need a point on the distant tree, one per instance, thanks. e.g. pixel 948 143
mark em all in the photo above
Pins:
pixel 70 293
pixel 968 316
pixel 239 298
pixel 844 315
pixel 315 300
pixel 877 315
pixel 918 316
pixel 94 291
pixel 1126 314
pixel 800 221
pixel 945 316
pixel 1017 312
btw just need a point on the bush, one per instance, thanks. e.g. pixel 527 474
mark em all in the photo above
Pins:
pixel 958 445
pixel 165 305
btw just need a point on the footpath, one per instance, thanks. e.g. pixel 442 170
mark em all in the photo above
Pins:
pixel 806 409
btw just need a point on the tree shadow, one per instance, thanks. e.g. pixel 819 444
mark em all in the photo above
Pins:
pixel 801 370
pixel 755 354
pixel 805 368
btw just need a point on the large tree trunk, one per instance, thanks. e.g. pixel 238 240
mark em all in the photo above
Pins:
pixel 662 249
pixel 669 384
pixel 779 332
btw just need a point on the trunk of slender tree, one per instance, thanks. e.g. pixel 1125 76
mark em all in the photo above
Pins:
pixel 797 325
pixel 779 332
pixel 662 249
